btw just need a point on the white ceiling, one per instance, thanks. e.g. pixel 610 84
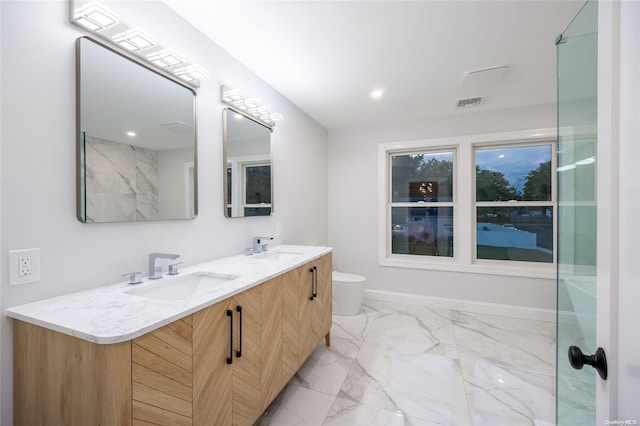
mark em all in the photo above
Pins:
pixel 327 56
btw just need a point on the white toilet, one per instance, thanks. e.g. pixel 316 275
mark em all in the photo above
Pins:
pixel 348 292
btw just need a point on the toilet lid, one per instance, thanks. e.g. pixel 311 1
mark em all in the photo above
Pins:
pixel 344 277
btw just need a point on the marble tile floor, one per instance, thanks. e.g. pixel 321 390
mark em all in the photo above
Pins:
pixel 396 364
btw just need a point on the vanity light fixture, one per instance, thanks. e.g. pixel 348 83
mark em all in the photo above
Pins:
pixel 106 24
pixel 263 113
pixel 134 39
pixel 233 96
pixel 95 17
pixel 276 117
pixel 249 106
pixel 191 73
pixel 166 58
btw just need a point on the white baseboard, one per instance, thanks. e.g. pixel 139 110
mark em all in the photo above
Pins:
pixel 514 311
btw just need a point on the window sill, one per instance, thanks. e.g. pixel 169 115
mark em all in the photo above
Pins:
pixel 537 270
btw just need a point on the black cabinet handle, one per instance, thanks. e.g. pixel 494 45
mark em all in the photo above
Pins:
pixel 315 281
pixel 598 360
pixel 239 351
pixel 312 285
pixel 230 357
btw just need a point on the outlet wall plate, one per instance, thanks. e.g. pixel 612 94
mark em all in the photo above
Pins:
pixel 24 266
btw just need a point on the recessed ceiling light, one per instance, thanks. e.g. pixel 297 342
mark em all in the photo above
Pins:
pixel 376 94
pixel 131 134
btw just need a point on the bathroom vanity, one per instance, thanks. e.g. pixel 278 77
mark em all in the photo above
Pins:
pixel 216 355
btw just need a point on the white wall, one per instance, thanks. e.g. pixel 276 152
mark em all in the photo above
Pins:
pixel 353 213
pixel 38 164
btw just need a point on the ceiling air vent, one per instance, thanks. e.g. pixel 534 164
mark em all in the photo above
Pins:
pixel 469 102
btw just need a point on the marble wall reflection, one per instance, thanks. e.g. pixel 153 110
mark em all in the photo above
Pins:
pixel 121 182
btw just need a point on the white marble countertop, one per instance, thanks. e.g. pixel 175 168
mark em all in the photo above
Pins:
pixel 108 314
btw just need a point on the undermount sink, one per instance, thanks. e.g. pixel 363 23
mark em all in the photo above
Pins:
pixel 278 255
pixel 186 287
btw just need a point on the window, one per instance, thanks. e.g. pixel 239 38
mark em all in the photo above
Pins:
pixel 257 189
pixel 514 203
pixel 250 183
pixel 478 204
pixel 422 203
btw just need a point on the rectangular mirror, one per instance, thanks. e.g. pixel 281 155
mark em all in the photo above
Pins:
pixel 136 148
pixel 247 163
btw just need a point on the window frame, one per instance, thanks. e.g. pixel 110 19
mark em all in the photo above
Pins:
pixel 236 166
pixel 552 143
pixel 464 216
pixel 434 204
pixel 243 187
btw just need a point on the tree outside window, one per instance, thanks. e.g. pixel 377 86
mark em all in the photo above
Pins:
pixel 514 203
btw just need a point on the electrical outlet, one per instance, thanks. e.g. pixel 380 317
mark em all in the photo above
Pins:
pixel 24 266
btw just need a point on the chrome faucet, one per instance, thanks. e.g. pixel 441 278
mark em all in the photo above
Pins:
pixel 259 244
pixel 155 264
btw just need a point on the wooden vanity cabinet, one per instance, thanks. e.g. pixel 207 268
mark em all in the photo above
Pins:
pixel 162 375
pixel 237 376
pixel 199 370
pixel 307 312
pixel 213 380
pixel 322 309
pixel 272 341
pixel 61 380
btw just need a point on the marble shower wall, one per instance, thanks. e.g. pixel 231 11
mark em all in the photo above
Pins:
pixel 121 182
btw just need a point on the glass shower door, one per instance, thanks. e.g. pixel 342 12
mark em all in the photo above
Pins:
pixel 577 114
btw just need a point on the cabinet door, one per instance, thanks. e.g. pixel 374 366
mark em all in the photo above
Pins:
pixel 307 303
pixel 161 375
pixel 272 341
pixel 293 295
pixel 212 376
pixel 246 368
pixel 322 302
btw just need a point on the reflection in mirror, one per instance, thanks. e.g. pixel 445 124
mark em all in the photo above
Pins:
pixel 247 163
pixel 136 140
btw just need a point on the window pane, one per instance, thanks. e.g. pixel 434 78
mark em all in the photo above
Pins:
pixel 426 177
pixel 422 231
pixel 257 211
pixel 515 233
pixel 258 185
pixel 514 173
